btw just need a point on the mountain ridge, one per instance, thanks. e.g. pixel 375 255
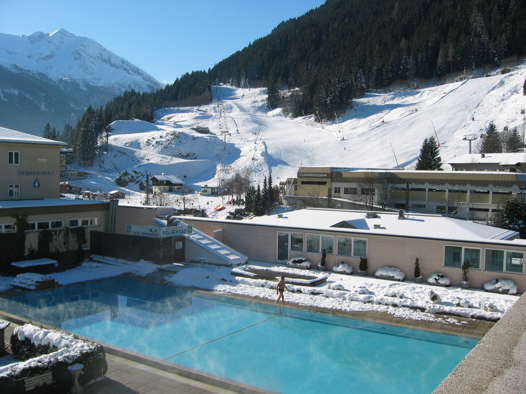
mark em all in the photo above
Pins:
pixel 53 77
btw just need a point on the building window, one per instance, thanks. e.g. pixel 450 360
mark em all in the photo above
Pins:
pixel 73 223
pixel 42 225
pixel 14 192
pixel 350 190
pixel 179 245
pixel 84 222
pixel 313 243
pixel 344 247
pixel 320 183
pixel 57 224
pixel 514 261
pixel 440 209
pixel 296 242
pixel 327 243
pixel 359 248
pixel 7 228
pixel 367 191
pixel 453 256
pixel 494 260
pixel 32 226
pixel 337 190
pixel 14 158
pixel 472 257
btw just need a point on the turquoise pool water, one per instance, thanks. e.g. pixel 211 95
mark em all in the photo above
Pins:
pixel 272 347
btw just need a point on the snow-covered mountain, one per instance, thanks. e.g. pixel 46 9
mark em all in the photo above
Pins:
pixel 54 77
pixel 383 129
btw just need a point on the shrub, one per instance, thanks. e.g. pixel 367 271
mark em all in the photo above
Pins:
pixel 363 264
pixel 418 274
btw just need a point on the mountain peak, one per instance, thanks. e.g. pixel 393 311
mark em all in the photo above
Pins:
pixel 61 33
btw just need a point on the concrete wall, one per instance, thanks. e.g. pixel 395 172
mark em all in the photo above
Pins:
pixel 38 171
pixel 260 243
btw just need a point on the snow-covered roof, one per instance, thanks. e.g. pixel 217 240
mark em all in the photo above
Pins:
pixel 490 158
pixel 10 135
pixel 168 178
pixel 48 202
pixel 386 223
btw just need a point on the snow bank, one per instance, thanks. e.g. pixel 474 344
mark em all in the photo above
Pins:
pixel 342 268
pixel 68 350
pixel 438 278
pixel 3 324
pixel 505 286
pixel 388 272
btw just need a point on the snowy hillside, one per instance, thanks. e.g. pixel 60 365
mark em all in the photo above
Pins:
pixel 61 55
pixel 261 141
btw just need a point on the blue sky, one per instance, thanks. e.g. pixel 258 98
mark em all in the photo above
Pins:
pixel 165 38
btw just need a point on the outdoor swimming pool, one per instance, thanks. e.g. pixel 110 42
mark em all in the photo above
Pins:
pixel 272 347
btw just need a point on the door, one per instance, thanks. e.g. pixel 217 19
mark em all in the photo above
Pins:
pixel 283 246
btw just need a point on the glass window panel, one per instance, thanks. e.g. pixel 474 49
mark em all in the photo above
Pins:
pixel 514 261
pixel 453 256
pixel 56 224
pixel 296 242
pixel 313 243
pixel 43 225
pixel 359 248
pixel 73 223
pixel 85 222
pixel 494 260
pixel 344 247
pixel 472 257
pixel 327 243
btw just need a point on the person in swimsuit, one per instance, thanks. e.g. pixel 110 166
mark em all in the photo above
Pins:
pixel 280 289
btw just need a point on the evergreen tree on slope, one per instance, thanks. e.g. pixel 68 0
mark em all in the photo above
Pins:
pixel 429 158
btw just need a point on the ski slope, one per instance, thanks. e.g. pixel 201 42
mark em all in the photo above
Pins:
pixel 384 129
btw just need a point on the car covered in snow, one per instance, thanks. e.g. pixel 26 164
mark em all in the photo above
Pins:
pixel 504 286
pixel 389 272
pixel 438 278
pixel 299 262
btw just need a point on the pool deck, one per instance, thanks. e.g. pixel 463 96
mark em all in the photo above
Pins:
pixel 497 364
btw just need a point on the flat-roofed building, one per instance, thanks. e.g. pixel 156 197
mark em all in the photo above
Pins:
pixel 474 195
pixel 441 244
pixel 29 193
pixel 31 166
pixel 511 162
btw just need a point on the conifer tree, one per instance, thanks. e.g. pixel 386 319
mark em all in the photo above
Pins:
pixel 491 141
pixel 513 141
pixel 273 97
pixel 429 158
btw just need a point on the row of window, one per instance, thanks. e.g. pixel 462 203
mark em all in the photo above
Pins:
pixel 353 190
pixel 51 225
pixel 495 260
pixel 313 243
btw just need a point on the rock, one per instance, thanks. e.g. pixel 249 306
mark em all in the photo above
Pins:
pixel 434 297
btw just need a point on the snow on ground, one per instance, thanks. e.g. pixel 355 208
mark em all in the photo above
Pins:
pixel 262 141
pixel 356 293
pixel 97 267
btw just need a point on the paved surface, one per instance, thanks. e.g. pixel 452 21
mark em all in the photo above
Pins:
pixel 128 377
pixel 498 363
